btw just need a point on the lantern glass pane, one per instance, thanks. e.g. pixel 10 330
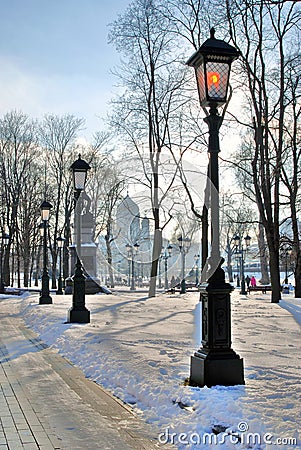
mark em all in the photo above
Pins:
pixel 45 214
pixel 248 240
pixel 217 74
pixel 60 242
pixel 201 82
pixel 79 180
pixel 236 240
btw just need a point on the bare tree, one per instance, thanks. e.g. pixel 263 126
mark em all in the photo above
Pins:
pixel 291 167
pixel 147 113
pixel 19 165
pixel 57 136
pixel 265 32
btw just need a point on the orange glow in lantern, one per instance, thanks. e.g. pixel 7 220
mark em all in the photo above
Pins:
pixel 213 79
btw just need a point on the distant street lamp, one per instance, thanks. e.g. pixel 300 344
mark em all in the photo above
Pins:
pixel 79 313
pixel 184 244
pixel 4 244
pixel 241 253
pixel 197 262
pixel 45 298
pixel 128 247
pixel 132 252
pixel 60 243
pixel 237 259
pixel 286 254
pixel 216 362
pixel 166 254
pixel 160 268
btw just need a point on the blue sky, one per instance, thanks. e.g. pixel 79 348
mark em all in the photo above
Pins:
pixel 54 57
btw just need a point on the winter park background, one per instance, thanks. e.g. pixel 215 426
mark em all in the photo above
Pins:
pixel 139 348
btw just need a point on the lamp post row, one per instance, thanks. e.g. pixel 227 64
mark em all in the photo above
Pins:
pixel 240 253
pixel 78 312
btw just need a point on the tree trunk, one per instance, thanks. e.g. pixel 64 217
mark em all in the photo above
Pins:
pixel 229 260
pixel 298 276
pixel 204 235
pixel 275 273
pixel 26 266
pixel 157 247
pixel 265 278
pixel 109 259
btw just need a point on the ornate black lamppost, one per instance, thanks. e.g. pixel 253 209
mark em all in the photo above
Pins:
pixel 166 254
pixel 132 252
pixel 160 268
pixel 184 244
pixel 79 313
pixel 129 264
pixel 45 298
pixel 237 268
pixel 4 244
pixel 197 262
pixel 215 362
pixel 240 253
pixel 60 243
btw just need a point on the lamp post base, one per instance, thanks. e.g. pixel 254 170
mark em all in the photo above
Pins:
pixel 78 315
pixel 183 287
pixel 45 300
pixel 216 363
pixel 216 368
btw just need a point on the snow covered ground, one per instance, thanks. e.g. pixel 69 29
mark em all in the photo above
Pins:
pixel 140 349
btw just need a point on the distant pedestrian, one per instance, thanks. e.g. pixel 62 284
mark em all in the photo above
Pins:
pixel 248 279
pixel 253 281
pixel 173 282
pixel 285 287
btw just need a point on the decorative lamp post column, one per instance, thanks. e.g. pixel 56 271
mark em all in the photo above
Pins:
pixel 243 258
pixel 241 252
pixel 129 249
pixel 132 252
pixel 236 240
pixel 287 251
pixel 45 298
pixel 215 363
pixel 60 243
pixel 197 262
pixel 79 313
pixel 184 244
pixel 160 268
pixel 166 256
pixel 4 244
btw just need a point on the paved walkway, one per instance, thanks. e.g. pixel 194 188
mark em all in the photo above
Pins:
pixel 46 403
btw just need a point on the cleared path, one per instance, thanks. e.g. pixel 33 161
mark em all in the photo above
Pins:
pixel 46 403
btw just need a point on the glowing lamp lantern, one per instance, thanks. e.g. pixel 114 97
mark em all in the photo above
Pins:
pixel 212 63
